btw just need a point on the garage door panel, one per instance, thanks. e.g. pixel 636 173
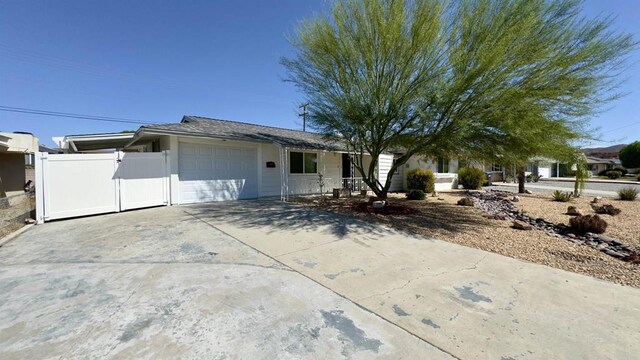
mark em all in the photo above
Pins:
pixel 220 173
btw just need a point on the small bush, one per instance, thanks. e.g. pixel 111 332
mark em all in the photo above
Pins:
pixel 415 194
pixel 638 177
pixel 622 170
pixel 607 209
pixel 561 196
pixel 588 223
pixel 613 174
pixel 628 193
pixel 421 179
pixel 471 178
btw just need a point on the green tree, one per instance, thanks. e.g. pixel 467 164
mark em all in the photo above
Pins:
pixel 630 155
pixel 477 78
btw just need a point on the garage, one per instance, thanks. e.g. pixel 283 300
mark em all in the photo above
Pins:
pixel 217 173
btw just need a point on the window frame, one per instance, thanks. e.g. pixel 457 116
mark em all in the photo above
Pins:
pixel 440 161
pixel 304 167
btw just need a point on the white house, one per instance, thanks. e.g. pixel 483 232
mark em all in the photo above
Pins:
pixel 215 160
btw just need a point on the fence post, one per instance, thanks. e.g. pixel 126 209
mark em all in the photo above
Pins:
pixel 41 159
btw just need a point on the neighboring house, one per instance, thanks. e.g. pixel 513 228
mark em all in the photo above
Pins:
pixel 16 152
pixel 596 165
pixel 214 160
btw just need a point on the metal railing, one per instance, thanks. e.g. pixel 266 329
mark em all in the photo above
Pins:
pixel 354 184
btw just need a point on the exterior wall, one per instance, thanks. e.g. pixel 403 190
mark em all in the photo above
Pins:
pixel 444 181
pixel 18 143
pixel 385 162
pixel 12 173
pixel 270 184
pixel 329 163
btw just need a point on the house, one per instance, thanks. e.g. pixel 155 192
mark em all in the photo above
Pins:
pixel 16 152
pixel 596 164
pixel 215 160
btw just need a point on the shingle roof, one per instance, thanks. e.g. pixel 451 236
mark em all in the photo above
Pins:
pixel 234 130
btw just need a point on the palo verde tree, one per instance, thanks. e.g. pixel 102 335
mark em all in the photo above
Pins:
pixel 478 78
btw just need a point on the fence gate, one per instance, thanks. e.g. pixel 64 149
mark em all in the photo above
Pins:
pixel 69 185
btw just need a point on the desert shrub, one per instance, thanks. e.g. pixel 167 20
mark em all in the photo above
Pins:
pixel 628 193
pixel 638 177
pixel 471 178
pixel 613 174
pixel 572 173
pixel 607 209
pixel 561 196
pixel 622 170
pixel 415 194
pixel 421 179
pixel 588 223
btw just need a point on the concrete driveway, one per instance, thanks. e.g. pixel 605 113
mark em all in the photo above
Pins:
pixel 471 303
pixel 160 283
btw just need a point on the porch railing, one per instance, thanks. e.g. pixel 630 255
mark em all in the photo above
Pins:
pixel 354 184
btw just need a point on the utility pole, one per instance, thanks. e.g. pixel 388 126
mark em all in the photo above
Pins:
pixel 304 114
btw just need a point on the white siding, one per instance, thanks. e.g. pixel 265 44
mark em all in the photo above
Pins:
pixel 270 185
pixel 444 181
pixel 397 182
pixel 385 162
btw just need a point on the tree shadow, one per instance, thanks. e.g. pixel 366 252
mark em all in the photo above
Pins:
pixel 338 218
pixel 272 213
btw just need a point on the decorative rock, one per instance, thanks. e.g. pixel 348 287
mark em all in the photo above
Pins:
pixel 570 235
pixel 605 239
pixel 465 201
pixel 573 211
pixel 521 225
pixel 378 204
pixel 528 191
pixel 515 198
pixel 29 221
pixel 614 253
pixel 602 246
pixel 596 200
pixel 434 194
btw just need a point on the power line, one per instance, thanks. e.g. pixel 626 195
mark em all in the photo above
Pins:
pixel 622 127
pixel 71 115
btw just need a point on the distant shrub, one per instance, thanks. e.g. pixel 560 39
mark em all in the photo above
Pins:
pixel 421 179
pixel 588 223
pixel 572 173
pixel 613 174
pixel 628 193
pixel 561 196
pixel 622 170
pixel 638 177
pixel 415 194
pixel 471 178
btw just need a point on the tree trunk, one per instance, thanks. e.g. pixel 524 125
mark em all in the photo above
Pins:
pixel 521 179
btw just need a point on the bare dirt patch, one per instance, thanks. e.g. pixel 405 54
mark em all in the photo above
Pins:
pixel 442 219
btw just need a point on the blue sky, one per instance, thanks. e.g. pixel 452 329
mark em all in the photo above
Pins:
pixel 158 60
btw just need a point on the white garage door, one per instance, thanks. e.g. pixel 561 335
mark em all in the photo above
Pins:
pixel 217 173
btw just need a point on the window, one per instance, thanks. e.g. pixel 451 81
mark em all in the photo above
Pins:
pixel 443 165
pixel 303 163
pixel 496 167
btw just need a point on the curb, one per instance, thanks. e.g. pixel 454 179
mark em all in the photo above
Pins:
pixel 14 234
pixel 599 181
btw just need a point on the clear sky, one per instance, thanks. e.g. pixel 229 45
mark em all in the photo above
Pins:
pixel 155 61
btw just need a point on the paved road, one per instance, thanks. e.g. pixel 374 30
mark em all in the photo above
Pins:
pixel 161 284
pixel 471 303
pixel 547 187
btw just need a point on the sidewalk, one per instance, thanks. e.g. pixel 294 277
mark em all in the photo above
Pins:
pixel 549 189
pixel 593 180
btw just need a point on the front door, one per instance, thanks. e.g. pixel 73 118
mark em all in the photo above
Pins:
pixel 346 166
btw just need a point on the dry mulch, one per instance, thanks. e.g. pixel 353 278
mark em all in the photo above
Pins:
pixel 442 219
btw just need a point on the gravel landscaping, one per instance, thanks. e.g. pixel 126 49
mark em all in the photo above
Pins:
pixel 442 219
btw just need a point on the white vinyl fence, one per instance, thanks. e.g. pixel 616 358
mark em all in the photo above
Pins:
pixel 69 185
